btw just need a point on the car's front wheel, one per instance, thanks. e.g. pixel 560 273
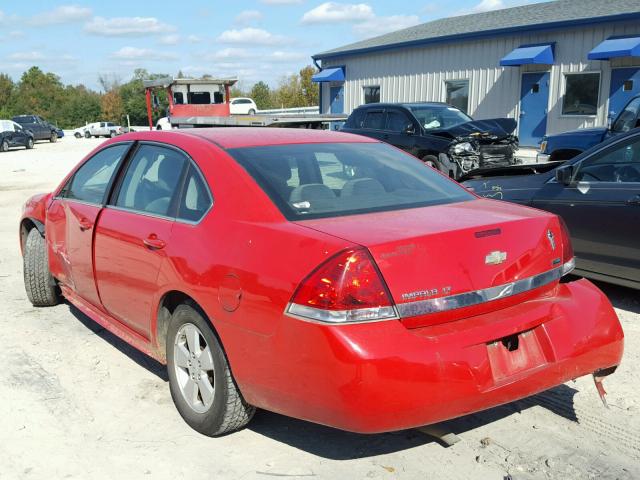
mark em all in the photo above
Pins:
pixel 40 285
pixel 112 134
pixel 29 144
pixel 87 134
pixel 4 146
pixel 201 383
pixel 252 112
pixel 54 137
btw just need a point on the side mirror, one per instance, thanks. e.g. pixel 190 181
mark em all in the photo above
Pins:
pixel 564 174
pixel 409 129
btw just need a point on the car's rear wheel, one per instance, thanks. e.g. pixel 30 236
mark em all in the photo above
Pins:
pixel 40 285
pixel 29 144
pixel 54 137
pixel 201 383
pixel 4 146
pixel 87 135
pixel 77 135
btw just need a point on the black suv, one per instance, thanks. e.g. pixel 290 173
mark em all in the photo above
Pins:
pixel 39 128
pixel 441 135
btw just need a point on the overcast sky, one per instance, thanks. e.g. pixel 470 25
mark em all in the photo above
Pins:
pixel 252 39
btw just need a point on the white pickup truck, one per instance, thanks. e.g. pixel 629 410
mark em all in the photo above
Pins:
pixel 102 129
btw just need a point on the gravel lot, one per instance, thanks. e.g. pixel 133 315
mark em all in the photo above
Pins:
pixel 76 402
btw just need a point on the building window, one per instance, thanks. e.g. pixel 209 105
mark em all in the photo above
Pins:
pixel 371 94
pixel 458 94
pixel 581 94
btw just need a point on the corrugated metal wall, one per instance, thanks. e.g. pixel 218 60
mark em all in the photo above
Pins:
pixel 419 73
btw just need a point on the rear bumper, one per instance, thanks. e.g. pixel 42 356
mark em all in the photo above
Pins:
pixel 382 376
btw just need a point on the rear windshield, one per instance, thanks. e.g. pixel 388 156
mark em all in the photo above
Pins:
pixel 334 179
pixel 23 119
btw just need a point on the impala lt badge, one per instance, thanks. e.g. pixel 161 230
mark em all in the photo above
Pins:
pixel 552 239
pixel 495 258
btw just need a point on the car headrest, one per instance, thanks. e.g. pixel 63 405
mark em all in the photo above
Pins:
pixel 362 186
pixel 311 192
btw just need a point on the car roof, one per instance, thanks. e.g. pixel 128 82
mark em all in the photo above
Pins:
pixel 237 137
pixel 407 104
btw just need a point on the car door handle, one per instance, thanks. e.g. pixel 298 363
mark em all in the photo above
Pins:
pixel 85 224
pixel 634 200
pixel 153 242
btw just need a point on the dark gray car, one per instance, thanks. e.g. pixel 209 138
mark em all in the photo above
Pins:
pixel 596 193
pixel 39 128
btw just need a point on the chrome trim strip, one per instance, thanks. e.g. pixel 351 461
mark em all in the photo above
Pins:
pixel 468 299
pixel 339 317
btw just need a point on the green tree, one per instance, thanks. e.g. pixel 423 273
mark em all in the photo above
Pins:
pixel 310 90
pixel 261 94
pixel 6 91
pixel 79 106
pixel 38 93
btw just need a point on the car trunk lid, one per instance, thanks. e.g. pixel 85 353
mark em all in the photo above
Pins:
pixel 427 256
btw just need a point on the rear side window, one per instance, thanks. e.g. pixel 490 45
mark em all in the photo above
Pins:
pixel 374 120
pixel 196 199
pixel 330 180
pixel 90 182
pixel 152 180
pixel 356 118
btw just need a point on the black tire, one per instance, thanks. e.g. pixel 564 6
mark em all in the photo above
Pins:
pixel 54 137
pixel 252 112
pixel 77 135
pixel 29 144
pixel 112 134
pixel 229 411
pixel 87 134
pixel 38 282
pixel 4 146
pixel 158 127
pixel 433 161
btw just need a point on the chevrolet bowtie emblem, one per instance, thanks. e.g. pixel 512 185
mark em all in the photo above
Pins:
pixel 552 239
pixel 495 258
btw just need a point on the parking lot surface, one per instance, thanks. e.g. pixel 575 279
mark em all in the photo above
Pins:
pixel 76 402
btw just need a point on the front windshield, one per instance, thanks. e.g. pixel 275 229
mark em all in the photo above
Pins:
pixel 433 117
pixel 628 118
pixel 334 179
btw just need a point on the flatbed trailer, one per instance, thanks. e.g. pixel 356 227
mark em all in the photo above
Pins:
pixel 191 106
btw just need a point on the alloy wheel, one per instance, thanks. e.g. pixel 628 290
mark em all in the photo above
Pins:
pixel 193 365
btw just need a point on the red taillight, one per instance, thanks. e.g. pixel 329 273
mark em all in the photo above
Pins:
pixel 568 259
pixel 345 288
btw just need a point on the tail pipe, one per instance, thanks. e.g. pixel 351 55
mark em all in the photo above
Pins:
pixel 598 377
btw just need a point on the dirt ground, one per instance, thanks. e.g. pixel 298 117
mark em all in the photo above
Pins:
pixel 76 402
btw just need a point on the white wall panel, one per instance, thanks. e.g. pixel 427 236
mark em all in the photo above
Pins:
pixel 419 73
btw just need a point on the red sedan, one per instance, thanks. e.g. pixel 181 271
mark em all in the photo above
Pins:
pixel 321 275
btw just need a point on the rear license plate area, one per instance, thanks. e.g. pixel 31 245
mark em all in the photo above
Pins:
pixel 515 354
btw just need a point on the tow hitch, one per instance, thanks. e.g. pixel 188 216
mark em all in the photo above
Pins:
pixel 598 377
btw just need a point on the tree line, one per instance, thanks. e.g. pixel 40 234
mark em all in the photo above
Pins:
pixel 70 106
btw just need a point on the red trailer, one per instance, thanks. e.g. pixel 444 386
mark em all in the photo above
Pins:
pixel 204 102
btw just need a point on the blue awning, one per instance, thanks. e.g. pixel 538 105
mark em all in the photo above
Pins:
pixel 528 54
pixel 329 75
pixel 616 47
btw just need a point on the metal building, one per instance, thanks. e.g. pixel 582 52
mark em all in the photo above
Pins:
pixel 553 66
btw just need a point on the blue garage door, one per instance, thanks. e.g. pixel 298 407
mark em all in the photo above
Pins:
pixel 625 84
pixel 534 98
pixel 336 97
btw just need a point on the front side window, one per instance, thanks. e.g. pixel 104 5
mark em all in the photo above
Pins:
pixel 458 94
pixel 90 182
pixel 371 94
pixel 374 120
pixel 619 163
pixel 581 94
pixel 628 118
pixel 438 117
pixel 151 181
pixel 196 199
pixel 178 98
pixel 336 179
pixel 397 121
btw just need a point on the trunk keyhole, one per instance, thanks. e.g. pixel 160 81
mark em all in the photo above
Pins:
pixel 511 343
